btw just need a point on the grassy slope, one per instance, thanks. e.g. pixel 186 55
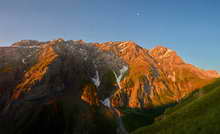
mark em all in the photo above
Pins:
pixel 136 118
pixel 199 113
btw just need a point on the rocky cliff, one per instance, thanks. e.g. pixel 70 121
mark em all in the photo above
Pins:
pixel 157 76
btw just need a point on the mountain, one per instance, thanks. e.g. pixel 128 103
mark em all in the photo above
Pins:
pixel 198 113
pixel 78 85
pixel 156 77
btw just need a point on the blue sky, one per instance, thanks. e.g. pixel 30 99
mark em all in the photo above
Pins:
pixel 191 27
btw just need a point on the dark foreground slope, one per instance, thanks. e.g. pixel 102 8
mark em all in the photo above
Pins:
pixel 199 113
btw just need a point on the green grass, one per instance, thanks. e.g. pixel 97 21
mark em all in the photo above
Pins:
pixel 199 113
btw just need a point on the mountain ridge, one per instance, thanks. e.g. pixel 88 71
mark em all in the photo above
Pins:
pixel 37 43
pixel 82 82
pixel 160 62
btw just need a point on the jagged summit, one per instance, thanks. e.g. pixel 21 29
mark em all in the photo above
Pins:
pixel 166 55
pixel 121 44
pixel 161 51
pixel 128 50
pixel 26 43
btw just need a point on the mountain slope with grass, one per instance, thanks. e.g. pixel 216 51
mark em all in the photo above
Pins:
pixel 198 113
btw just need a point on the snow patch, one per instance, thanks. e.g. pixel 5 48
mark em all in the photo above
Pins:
pixel 122 44
pixel 28 46
pixel 123 48
pixel 122 72
pixel 169 50
pixel 106 102
pixel 23 61
pixel 167 53
pixel 96 79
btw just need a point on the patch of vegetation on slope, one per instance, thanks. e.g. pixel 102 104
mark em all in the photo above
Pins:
pixel 199 113
pixel 135 118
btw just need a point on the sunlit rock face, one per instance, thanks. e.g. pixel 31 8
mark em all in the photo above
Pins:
pixel 157 76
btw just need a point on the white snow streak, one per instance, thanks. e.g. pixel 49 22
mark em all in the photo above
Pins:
pixel 122 72
pixel 122 44
pixel 23 61
pixel 106 102
pixel 167 53
pixel 27 46
pixel 96 79
pixel 123 48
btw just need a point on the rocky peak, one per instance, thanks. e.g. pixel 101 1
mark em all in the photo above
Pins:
pixel 128 50
pixel 23 43
pixel 57 40
pixel 213 73
pixel 160 51
pixel 122 45
pixel 165 55
pixel 31 43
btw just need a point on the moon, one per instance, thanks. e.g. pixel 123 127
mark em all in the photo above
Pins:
pixel 138 14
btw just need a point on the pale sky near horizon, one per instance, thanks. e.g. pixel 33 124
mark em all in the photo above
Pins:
pixel 190 27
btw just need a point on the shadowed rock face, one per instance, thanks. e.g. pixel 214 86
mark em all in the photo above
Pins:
pixel 54 83
pixel 74 84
